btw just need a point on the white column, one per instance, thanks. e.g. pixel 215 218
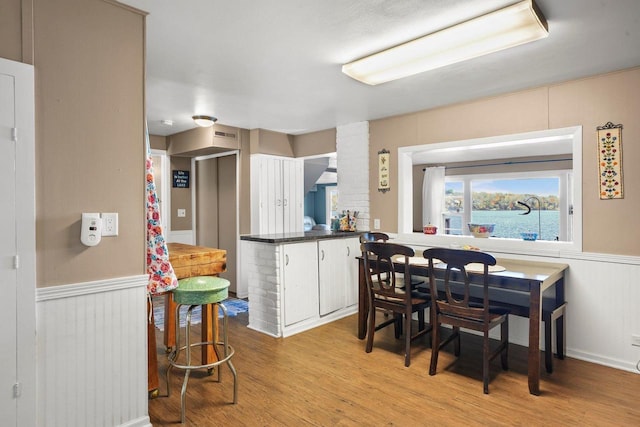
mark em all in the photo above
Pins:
pixel 352 147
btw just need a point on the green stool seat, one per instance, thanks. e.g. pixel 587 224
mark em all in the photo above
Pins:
pixel 201 290
pixel 193 292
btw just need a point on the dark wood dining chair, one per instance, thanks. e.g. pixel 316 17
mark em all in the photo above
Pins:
pixel 452 305
pixel 373 236
pixel 387 289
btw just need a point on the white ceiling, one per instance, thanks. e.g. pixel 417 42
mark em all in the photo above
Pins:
pixel 275 64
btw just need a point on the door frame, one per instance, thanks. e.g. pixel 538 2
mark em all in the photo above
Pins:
pixel 165 194
pixel 25 237
pixel 240 292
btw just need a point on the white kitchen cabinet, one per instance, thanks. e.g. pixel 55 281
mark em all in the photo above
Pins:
pixel 300 282
pixel 277 199
pixel 338 274
pixel 282 277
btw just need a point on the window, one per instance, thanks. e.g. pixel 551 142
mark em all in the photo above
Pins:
pixel 507 149
pixel 494 199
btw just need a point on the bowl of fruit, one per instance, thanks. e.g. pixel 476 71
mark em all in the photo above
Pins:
pixel 481 230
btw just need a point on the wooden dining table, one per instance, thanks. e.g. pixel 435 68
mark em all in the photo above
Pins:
pixel 530 277
pixel 187 261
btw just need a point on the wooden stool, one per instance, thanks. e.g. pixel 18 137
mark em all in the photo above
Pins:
pixel 200 291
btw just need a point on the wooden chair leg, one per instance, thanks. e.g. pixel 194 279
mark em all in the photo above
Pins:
pixel 371 329
pixel 504 335
pixel 561 324
pixel 421 320
pixel 548 350
pixel 397 326
pixel 556 316
pixel 407 339
pixel 485 362
pixel 435 348
pixel 456 344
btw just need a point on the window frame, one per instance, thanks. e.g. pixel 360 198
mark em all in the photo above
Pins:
pixel 511 246
pixel 565 196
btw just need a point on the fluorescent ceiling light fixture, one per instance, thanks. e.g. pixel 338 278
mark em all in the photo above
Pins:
pixel 511 26
pixel 503 144
pixel 204 121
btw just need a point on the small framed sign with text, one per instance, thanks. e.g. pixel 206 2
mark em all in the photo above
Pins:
pixel 180 179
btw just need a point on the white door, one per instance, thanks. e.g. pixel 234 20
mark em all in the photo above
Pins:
pixel 292 195
pixel 8 250
pixel 353 250
pixel 300 266
pixel 17 245
pixel 331 261
pixel 161 178
pixel 338 273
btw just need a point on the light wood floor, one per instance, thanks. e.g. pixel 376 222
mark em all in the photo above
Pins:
pixel 323 377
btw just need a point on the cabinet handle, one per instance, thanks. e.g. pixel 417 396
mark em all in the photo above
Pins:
pixel 278 202
pixel 322 252
pixel 285 202
pixel 348 251
pixel 286 259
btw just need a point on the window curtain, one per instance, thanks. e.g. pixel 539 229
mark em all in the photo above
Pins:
pixel 162 278
pixel 433 196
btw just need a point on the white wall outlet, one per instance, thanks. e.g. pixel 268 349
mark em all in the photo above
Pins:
pixel 376 224
pixel 109 224
pixel 635 340
pixel 182 213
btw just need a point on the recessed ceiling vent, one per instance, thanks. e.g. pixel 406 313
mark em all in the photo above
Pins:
pixel 222 134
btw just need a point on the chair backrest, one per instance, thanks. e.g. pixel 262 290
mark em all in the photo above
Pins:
pixel 454 298
pixel 372 236
pixel 380 272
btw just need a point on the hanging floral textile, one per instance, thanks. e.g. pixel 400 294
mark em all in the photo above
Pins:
pixel 161 275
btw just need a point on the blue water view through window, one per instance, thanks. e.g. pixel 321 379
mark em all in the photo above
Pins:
pixel 495 201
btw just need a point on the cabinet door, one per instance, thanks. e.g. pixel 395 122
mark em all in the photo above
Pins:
pixel 277 199
pixel 331 256
pixel 292 195
pixel 351 271
pixel 300 279
pixel 337 273
pixel 266 195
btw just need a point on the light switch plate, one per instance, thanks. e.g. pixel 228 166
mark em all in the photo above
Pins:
pixel 376 224
pixel 182 213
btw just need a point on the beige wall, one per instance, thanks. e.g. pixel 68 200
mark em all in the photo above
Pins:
pixel 315 143
pixel 89 132
pixel 245 180
pixel 158 142
pixel 11 30
pixel 269 142
pixel 608 225
pixel 201 141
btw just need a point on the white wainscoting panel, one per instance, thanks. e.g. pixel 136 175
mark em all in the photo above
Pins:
pixel 92 354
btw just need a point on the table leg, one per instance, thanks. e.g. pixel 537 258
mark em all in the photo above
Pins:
pixel 152 355
pixel 209 324
pixel 535 308
pixel 169 321
pixel 363 301
pixel 561 343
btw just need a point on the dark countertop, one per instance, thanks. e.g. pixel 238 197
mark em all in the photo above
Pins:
pixel 300 237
